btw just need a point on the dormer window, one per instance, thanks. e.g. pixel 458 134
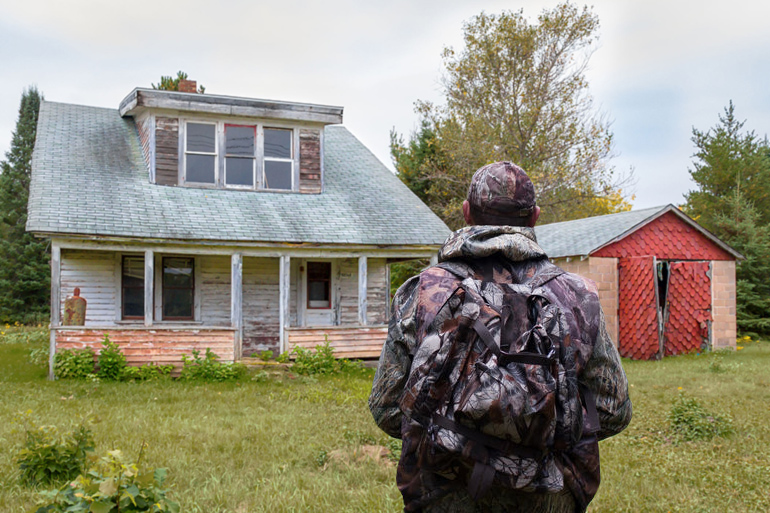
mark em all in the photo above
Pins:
pixel 238 156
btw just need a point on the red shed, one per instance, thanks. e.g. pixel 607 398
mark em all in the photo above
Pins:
pixel 667 285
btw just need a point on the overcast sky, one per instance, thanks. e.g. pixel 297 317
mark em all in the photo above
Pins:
pixel 661 67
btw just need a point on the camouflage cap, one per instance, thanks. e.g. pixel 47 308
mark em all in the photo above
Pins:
pixel 502 189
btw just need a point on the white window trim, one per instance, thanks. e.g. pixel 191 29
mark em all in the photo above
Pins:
pixel 217 146
pixel 220 178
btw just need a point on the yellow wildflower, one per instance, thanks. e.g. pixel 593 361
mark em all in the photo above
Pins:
pixel 738 348
pixel 679 388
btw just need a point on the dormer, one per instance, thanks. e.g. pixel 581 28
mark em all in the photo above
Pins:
pixel 224 142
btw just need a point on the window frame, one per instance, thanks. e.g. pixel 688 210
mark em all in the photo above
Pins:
pixel 217 151
pixel 163 288
pixel 220 157
pixel 123 316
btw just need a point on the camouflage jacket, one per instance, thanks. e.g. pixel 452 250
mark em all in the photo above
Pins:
pixel 502 254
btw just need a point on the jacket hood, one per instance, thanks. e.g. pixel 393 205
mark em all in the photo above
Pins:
pixel 513 242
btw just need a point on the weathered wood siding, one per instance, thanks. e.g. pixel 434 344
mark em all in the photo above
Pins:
pixel 166 151
pixel 97 275
pixel 310 181
pixel 214 290
pixel 260 305
pixel 377 291
pixel 145 124
pixel 158 345
pixel 356 342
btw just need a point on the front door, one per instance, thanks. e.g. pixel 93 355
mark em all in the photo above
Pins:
pixel 688 308
pixel 317 292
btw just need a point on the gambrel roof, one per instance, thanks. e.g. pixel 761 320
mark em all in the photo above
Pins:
pixel 583 237
pixel 89 178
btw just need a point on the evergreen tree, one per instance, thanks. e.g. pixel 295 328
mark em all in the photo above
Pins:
pixel 732 175
pixel 169 83
pixel 24 268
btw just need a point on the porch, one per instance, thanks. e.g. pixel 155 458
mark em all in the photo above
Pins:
pixel 161 302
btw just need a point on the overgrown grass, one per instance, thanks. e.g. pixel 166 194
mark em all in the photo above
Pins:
pixel 290 443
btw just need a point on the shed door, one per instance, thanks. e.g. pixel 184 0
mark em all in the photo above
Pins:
pixel 688 308
pixel 638 316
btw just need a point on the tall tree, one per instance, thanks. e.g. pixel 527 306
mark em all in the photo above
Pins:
pixel 731 172
pixel 728 162
pixel 24 269
pixel 517 91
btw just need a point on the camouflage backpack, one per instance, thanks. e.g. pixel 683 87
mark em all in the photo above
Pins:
pixel 493 389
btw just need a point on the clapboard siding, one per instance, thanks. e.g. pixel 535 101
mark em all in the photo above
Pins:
pixel 96 273
pixel 310 161
pixel 166 151
pixel 347 284
pixel 356 342
pixel 377 291
pixel 215 290
pixel 260 305
pixel 158 345
pixel 144 126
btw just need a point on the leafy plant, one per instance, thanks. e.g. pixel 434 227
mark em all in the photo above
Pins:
pixel 74 363
pixel 112 362
pixel 266 355
pixel 209 368
pixel 148 372
pixel 283 357
pixel 690 421
pixel 114 484
pixel 49 457
pixel 320 361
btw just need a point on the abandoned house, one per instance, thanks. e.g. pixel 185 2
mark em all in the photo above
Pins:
pixel 666 284
pixel 192 221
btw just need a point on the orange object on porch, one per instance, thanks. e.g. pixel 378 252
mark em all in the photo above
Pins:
pixel 75 310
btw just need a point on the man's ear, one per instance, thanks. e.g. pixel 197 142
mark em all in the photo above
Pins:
pixel 467 213
pixel 533 218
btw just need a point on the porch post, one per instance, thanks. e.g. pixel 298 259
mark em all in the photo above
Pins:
pixel 362 272
pixel 55 304
pixel 284 282
pixel 434 259
pixel 149 286
pixel 236 301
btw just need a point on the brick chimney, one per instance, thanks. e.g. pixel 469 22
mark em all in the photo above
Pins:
pixel 188 86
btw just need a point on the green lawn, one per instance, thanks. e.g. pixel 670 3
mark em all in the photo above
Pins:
pixel 291 443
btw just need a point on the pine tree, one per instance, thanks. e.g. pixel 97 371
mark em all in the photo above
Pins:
pixel 24 269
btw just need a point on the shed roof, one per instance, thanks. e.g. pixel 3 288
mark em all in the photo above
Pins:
pixel 583 237
pixel 89 178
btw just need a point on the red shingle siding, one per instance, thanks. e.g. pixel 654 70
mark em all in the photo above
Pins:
pixel 310 161
pixel 638 323
pixel 668 238
pixel 689 308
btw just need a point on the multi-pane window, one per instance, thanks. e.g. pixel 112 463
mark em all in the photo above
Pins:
pixel 319 279
pixel 201 153
pixel 132 287
pixel 279 163
pixel 178 288
pixel 240 147
pixel 228 155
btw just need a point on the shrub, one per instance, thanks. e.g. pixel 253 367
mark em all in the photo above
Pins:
pixel 320 361
pixel 49 457
pixel 74 363
pixel 209 368
pixel 148 372
pixel 114 484
pixel 690 421
pixel 112 362
pixel 266 355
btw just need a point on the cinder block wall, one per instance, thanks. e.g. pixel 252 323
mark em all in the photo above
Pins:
pixel 723 327
pixel 604 272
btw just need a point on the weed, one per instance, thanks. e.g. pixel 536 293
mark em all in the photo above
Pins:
pixel 148 372
pixel 74 363
pixel 394 446
pixel 49 457
pixel 112 362
pixel 114 484
pixel 690 421
pixel 209 368
pixel 321 360
pixel 266 355
pixel 322 458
